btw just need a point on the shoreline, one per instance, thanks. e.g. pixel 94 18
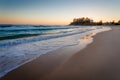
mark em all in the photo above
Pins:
pixel 53 61
pixel 98 61
pixel 62 58
pixel 28 52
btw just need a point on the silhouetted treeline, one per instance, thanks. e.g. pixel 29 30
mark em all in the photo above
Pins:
pixel 88 21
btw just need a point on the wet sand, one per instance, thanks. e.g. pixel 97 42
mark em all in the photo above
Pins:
pixel 98 61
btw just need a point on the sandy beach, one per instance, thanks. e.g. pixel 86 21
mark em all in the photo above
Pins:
pixel 98 61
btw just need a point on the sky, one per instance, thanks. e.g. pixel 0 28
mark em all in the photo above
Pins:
pixel 57 12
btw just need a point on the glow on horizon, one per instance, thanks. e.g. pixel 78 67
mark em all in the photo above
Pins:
pixel 57 12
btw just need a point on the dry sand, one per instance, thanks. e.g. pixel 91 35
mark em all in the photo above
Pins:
pixel 98 61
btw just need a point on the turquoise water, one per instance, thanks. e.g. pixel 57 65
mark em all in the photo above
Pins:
pixel 30 33
pixel 21 31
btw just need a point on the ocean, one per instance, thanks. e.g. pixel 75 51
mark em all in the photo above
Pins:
pixel 20 44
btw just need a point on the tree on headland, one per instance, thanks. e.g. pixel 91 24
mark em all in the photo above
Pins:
pixel 81 21
pixel 113 22
pixel 88 21
pixel 119 22
pixel 99 23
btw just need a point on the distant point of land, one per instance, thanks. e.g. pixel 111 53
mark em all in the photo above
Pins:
pixel 88 21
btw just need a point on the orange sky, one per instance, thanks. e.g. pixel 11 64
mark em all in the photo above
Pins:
pixel 57 12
